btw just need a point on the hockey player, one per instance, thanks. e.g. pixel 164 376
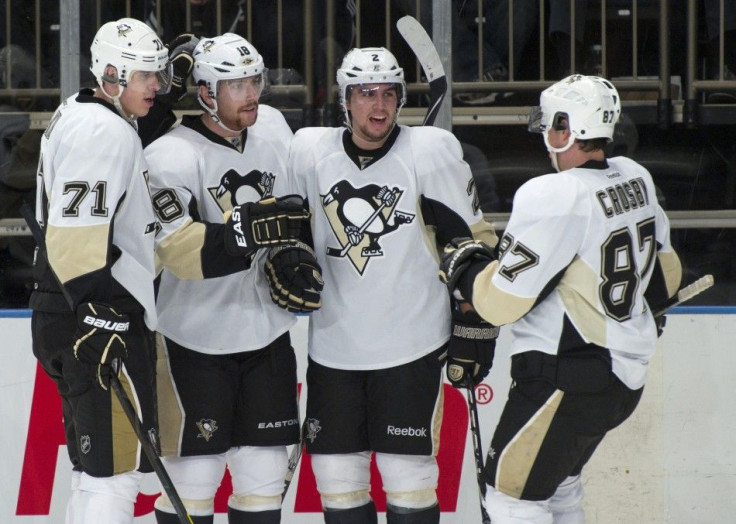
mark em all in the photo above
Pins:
pixel 227 378
pixel 584 260
pixel 381 196
pixel 95 210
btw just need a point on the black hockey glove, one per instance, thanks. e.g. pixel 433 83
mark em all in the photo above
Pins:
pixel 295 277
pixel 458 256
pixel 180 56
pixel 100 337
pixel 266 223
pixel 471 348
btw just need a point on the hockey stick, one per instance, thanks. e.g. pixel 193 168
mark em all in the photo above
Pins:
pixel 686 294
pixel 477 450
pixel 421 45
pixel 147 442
pixel 296 455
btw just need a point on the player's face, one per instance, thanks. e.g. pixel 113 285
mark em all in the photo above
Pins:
pixel 138 96
pixel 373 111
pixel 237 101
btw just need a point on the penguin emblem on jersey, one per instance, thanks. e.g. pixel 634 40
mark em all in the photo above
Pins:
pixel 359 217
pixel 206 428
pixel 237 189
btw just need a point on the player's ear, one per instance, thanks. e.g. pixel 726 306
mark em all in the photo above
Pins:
pixel 205 96
pixel 111 74
pixel 560 123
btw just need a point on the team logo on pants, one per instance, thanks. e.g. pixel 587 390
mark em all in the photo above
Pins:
pixel 206 428
pixel 359 217
pixel 313 428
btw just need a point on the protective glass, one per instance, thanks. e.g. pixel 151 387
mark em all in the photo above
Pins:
pixel 538 121
pixel 244 88
pixel 369 92
pixel 163 77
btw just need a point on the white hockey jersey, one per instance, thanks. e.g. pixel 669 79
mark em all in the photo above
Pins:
pixel 95 200
pixel 196 176
pixel 383 303
pixel 592 234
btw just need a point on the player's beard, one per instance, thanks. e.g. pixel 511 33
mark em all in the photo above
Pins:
pixel 243 119
pixel 376 136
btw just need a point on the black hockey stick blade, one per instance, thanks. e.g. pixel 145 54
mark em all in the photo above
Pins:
pixel 146 444
pixel 477 450
pixel 437 90
pixel 421 45
pixel 686 293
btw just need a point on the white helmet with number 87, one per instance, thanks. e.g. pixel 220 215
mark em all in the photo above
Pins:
pixel 590 104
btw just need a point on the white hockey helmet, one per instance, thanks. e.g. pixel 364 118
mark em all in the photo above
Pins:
pixel 226 57
pixel 129 45
pixel 369 65
pixel 590 104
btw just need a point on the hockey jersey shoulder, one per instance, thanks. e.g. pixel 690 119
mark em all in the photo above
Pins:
pixel 431 143
pixel 173 154
pixel 551 195
pixel 97 124
pixel 310 137
pixel 271 124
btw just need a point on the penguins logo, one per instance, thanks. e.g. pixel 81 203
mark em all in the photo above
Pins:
pixel 123 30
pixel 237 189
pixel 206 428
pixel 312 427
pixel 359 217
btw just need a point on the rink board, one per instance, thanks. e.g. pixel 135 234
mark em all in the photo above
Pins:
pixel 673 461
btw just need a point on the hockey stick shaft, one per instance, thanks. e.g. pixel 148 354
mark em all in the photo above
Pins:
pixel 296 455
pixel 421 45
pixel 477 450
pixel 127 405
pixel 686 293
pixel 147 445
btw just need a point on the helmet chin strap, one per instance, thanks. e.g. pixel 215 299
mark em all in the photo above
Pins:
pixel 132 119
pixel 553 151
pixel 213 114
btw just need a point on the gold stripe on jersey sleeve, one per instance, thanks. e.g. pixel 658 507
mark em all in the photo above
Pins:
pixel 495 305
pixel 672 269
pixel 484 232
pixel 76 251
pixel 125 445
pixel 578 290
pixel 181 252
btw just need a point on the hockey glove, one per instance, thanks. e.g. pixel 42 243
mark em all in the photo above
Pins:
pixel 100 337
pixel 268 222
pixel 471 348
pixel 180 56
pixel 458 256
pixel 295 277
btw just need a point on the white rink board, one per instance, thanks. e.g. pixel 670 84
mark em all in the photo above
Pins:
pixel 673 461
